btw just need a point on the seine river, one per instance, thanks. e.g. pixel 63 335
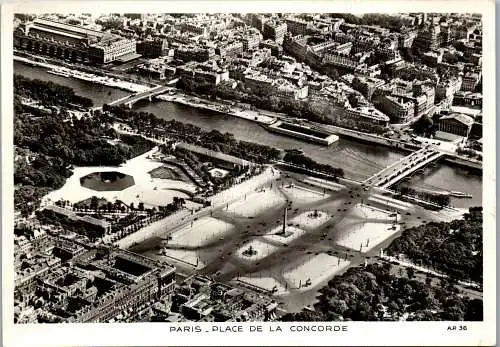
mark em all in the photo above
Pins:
pixel 358 160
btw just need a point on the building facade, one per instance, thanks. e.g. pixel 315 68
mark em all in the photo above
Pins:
pixel 447 88
pixel 153 48
pixel 470 81
pixel 367 85
pixel 428 38
pixel 110 50
pixel 461 98
pixel 274 30
pixel 296 26
pixel 71 42
pixel 194 53
pixel 456 124
pixel 399 109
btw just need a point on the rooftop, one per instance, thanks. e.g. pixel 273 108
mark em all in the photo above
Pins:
pixel 70 29
pixel 372 112
pixel 460 117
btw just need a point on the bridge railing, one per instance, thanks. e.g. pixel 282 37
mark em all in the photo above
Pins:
pixel 394 177
pixel 131 99
pixel 391 166
pixel 407 163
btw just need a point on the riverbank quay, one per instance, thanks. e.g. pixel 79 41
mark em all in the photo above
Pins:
pixel 82 67
pixel 464 162
pixel 232 110
pixel 78 72
pixel 265 120
pixel 271 118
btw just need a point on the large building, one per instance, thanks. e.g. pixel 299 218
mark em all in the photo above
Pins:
pixel 201 299
pixel 470 81
pixel 367 85
pixel 72 42
pixel 400 109
pixel 202 74
pixel 275 48
pixel 367 114
pixel 189 53
pixel 153 48
pixel 447 88
pixel 109 50
pixel 296 46
pixel 456 124
pixel 461 98
pixel 428 38
pixel 296 26
pixel 425 92
pixel 257 21
pixel 411 72
pixel 406 38
pixel 433 58
pixel 274 30
pixel 341 61
pixel 229 49
pixel 362 118
pixel 157 69
pixel 251 39
pixel 132 280
pixel 445 34
pixel 194 28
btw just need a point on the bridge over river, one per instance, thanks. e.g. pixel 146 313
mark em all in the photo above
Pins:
pixel 130 100
pixel 404 167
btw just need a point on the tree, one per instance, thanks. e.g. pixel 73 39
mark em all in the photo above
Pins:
pixel 432 245
pixel 450 58
pixel 410 272
pixel 94 203
pixel 353 100
pixel 423 126
pixel 474 310
pixel 74 21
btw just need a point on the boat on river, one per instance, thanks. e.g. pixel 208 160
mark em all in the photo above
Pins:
pixel 303 132
pixel 59 73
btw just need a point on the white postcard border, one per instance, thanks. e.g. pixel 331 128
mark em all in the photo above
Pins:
pixel 359 333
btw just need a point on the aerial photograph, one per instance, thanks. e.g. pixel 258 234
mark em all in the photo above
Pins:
pixel 247 167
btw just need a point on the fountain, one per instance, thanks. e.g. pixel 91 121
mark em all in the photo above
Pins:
pixel 249 252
